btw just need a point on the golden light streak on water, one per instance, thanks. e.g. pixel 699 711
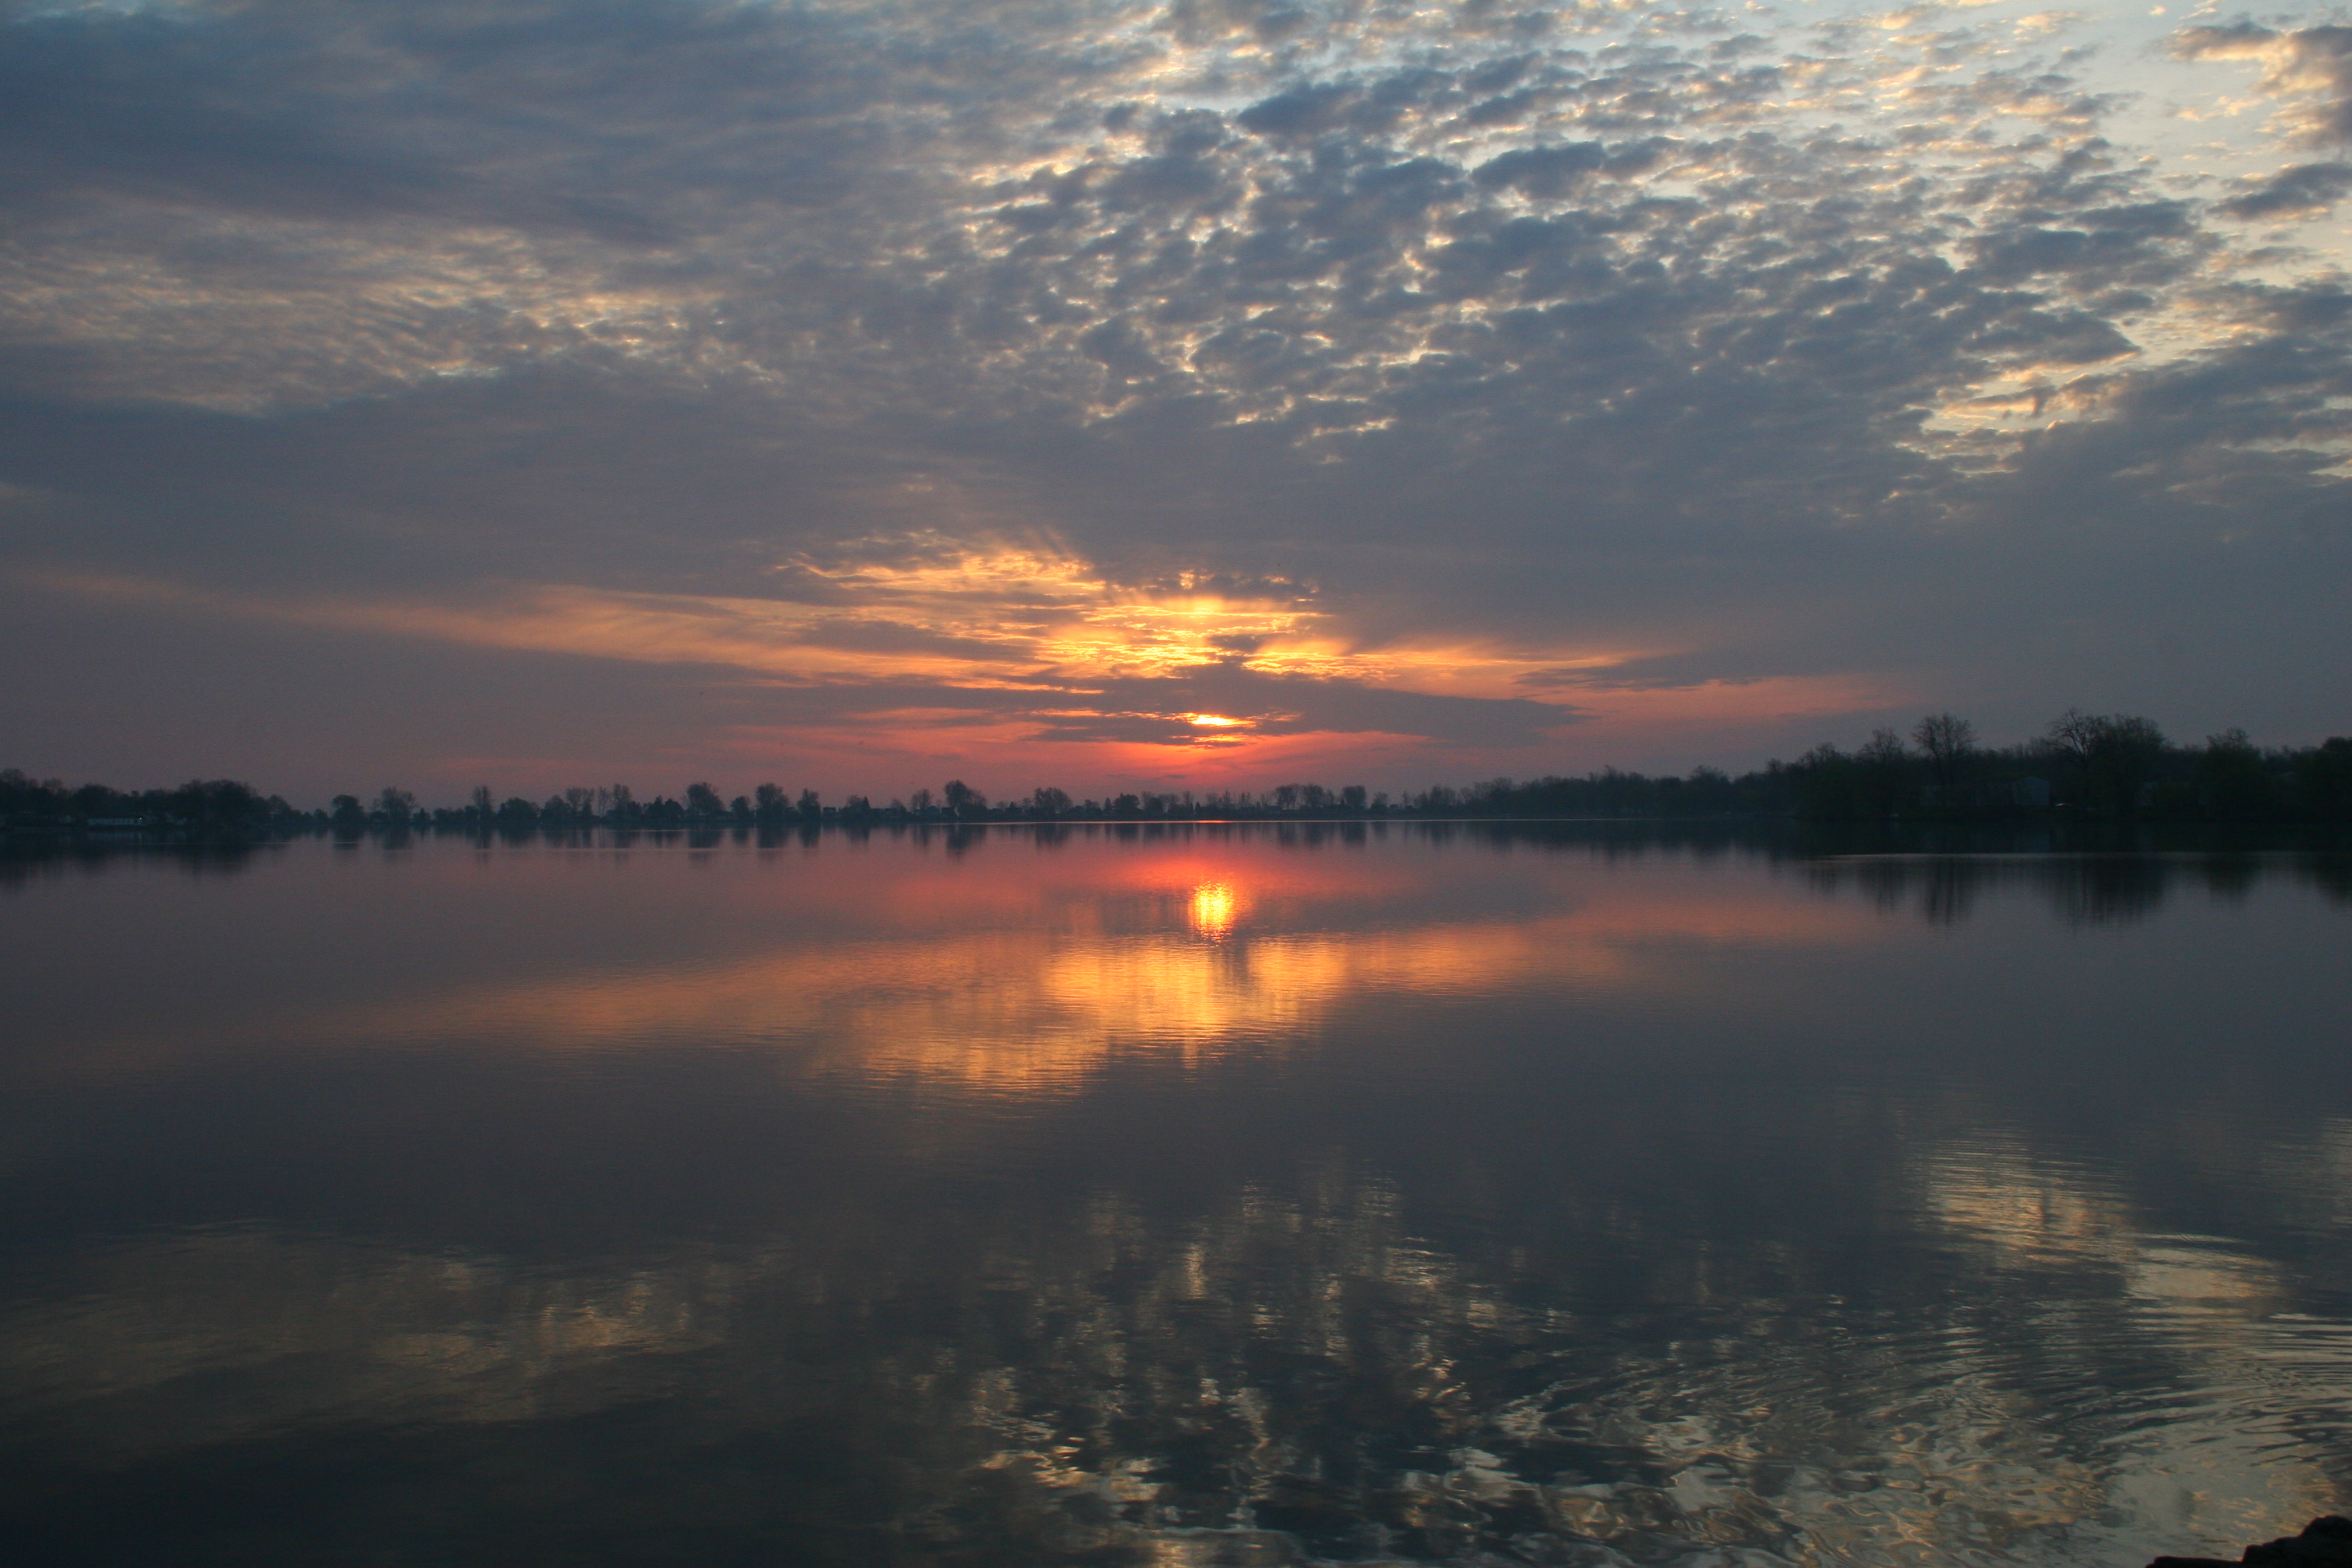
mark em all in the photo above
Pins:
pixel 1008 987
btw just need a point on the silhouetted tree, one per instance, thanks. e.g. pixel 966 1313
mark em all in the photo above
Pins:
pixel 23 797
pixel 394 807
pixel 2112 755
pixel 2323 780
pixel 2110 762
pixel 1884 768
pixel 2230 780
pixel 92 800
pixel 1949 742
pixel 1828 785
pixel 203 804
pixel 963 801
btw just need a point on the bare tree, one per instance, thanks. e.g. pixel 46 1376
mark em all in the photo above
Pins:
pixel 1947 741
pixel 1886 773
pixel 2112 754
pixel 485 803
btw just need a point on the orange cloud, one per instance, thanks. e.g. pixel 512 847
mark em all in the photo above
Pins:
pixel 1052 633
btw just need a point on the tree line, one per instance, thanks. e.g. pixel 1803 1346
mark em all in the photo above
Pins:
pixel 2109 765
pixel 2114 765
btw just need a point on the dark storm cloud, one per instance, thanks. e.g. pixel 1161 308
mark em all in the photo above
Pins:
pixel 1724 354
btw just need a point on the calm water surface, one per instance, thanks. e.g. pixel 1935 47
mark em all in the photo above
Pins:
pixel 1190 1197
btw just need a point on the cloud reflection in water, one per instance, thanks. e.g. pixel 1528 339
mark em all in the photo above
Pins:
pixel 1203 1200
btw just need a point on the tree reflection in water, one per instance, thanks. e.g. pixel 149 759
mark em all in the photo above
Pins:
pixel 2083 889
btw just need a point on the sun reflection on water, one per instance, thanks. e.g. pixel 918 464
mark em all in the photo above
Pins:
pixel 1032 979
pixel 2044 1363
pixel 1213 909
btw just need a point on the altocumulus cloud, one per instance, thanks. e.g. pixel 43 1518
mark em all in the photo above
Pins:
pixel 1404 387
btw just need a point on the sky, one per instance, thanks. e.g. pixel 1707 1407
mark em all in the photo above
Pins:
pixel 1157 394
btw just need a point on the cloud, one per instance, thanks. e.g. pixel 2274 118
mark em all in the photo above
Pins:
pixel 1394 366
pixel 2310 68
pixel 2293 191
pixel 1037 640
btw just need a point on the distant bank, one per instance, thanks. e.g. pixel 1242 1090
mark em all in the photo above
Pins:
pixel 2084 767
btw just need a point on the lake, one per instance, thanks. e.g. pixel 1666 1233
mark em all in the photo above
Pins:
pixel 1183 1195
